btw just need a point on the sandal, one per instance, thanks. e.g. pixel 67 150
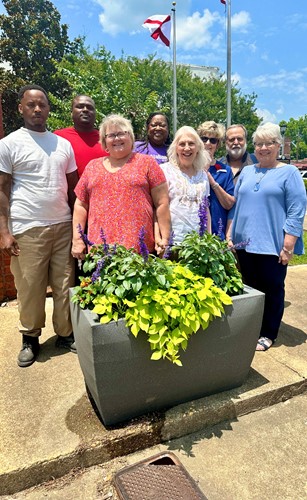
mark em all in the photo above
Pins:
pixel 263 344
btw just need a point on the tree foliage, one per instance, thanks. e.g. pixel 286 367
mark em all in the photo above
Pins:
pixel 135 87
pixel 32 40
pixel 37 47
pixel 297 132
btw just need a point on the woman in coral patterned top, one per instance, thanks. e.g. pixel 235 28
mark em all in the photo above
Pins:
pixel 119 194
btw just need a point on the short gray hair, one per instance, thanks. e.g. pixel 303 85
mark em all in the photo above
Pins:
pixel 123 124
pixel 202 160
pixel 267 131
pixel 237 125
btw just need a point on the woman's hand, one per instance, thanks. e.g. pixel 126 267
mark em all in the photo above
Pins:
pixel 78 249
pixel 160 246
pixel 285 256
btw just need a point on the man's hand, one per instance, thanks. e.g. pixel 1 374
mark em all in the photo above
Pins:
pixel 9 245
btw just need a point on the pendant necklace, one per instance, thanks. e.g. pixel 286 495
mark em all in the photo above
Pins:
pixel 257 185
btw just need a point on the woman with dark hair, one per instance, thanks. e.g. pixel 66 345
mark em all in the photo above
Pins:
pixel 157 139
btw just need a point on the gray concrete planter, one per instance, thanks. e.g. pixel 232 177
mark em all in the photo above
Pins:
pixel 125 383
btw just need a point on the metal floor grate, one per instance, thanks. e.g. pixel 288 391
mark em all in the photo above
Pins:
pixel 161 477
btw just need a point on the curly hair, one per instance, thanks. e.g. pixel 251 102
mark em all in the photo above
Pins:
pixel 212 128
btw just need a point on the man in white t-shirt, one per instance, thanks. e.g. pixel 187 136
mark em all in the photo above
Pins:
pixel 38 175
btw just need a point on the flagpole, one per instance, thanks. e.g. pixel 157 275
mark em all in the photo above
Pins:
pixel 174 71
pixel 228 107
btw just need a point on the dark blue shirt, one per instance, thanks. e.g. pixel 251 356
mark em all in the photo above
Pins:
pixel 223 175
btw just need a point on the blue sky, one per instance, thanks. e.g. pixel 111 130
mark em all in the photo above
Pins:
pixel 269 54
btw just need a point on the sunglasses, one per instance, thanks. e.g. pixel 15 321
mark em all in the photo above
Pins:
pixel 212 140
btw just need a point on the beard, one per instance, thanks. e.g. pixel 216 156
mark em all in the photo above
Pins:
pixel 236 153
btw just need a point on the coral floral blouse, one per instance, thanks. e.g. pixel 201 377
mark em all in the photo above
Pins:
pixel 120 203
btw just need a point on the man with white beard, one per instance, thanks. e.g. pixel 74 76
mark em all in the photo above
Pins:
pixel 237 156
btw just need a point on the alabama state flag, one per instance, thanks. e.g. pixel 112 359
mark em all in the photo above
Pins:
pixel 160 28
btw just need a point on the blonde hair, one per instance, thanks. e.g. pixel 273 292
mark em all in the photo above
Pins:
pixel 267 131
pixel 212 128
pixel 202 160
pixel 120 121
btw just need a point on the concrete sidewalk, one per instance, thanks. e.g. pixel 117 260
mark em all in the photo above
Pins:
pixel 48 427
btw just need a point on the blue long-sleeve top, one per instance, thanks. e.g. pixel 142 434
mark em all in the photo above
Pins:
pixel 270 203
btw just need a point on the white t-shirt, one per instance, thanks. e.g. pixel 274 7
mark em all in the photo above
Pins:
pixel 38 163
pixel 186 194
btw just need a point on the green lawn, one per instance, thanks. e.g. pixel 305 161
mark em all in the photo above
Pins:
pixel 300 259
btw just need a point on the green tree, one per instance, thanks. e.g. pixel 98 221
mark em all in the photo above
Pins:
pixel 297 132
pixel 9 85
pixel 135 87
pixel 32 40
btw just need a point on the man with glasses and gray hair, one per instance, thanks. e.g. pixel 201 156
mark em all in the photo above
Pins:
pixel 236 155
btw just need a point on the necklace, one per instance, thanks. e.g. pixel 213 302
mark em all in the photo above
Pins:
pixel 257 185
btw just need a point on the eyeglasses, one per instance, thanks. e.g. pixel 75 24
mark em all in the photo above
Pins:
pixel 212 140
pixel 120 135
pixel 268 144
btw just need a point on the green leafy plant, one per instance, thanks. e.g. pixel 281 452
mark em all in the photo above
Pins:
pixel 208 255
pixel 165 300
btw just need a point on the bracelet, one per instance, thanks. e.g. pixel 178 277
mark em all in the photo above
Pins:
pixel 289 252
pixel 215 185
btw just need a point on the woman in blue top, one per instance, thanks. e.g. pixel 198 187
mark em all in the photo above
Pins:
pixel 270 209
pixel 220 178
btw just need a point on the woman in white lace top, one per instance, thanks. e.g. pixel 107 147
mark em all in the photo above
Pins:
pixel 187 180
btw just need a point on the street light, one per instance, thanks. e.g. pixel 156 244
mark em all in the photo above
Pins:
pixel 283 129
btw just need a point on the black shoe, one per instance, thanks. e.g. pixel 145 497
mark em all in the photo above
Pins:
pixel 29 351
pixel 66 343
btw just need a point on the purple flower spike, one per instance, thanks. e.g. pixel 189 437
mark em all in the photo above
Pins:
pixel 237 246
pixel 220 230
pixel 203 215
pixel 84 237
pixel 169 246
pixel 96 273
pixel 242 244
pixel 104 241
pixel 143 248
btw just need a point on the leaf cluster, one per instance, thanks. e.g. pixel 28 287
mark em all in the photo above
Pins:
pixel 32 39
pixel 210 256
pixel 136 87
pixel 163 299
